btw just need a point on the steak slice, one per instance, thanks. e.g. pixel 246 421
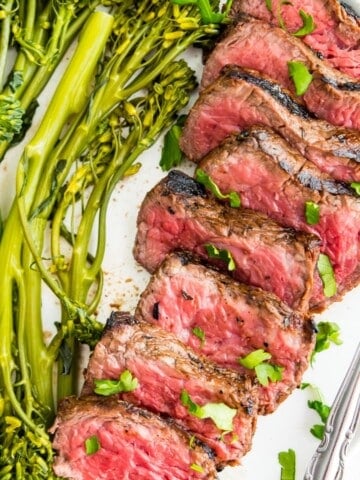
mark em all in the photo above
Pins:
pixel 337 29
pixel 225 320
pixel 178 214
pixel 257 45
pixel 165 369
pixel 242 98
pixel 273 178
pixel 134 443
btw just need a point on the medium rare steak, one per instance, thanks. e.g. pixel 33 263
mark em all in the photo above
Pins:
pixel 257 45
pixel 273 178
pixel 226 320
pixel 337 30
pixel 133 443
pixel 177 213
pixel 241 98
pixel 165 369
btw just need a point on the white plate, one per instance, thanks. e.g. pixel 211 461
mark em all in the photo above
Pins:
pixel 289 426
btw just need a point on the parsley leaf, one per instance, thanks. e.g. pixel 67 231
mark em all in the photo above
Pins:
pixel 220 414
pixel 207 181
pixel 287 461
pixel 300 75
pixel 308 25
pixel 197 468
pixel 327 333
pixel 126 383
pixel 327 275
pixel 200 334
pixel 92 445
pixel 223 255
pixel 321 408
pixel 268 4
pixel 356 187
pixel 312 213
pixel 265 371
pixel 171 155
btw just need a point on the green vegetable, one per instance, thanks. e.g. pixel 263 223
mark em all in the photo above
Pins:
pixel 92 445
pixel 223 255
pixel 327 275
pixel 126 383
pixel 205 180
pixel 199 333
pixel 312 212
pixel 356 187
pixel 308 25
pixel 265 371
pixel 122 88
pixel 206 10
pixel 268 4
pixel 171 155
pixel 11 115
pixel 327 333
pixel 287 461
pixel 220 414
pixel 197 468
pixel 300 75
pixel 323 410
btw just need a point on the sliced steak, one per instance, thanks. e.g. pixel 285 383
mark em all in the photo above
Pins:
pixel 241 98
pixel 337 29
pixel 273 178
pixel 225 320
pixel 133 443
pixel 177 213
pixel 257 45
pixel 165 369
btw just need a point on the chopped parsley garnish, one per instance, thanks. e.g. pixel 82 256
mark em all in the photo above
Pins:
pixel 300 76
pixel 199 333
pixel 197 468
pixel 312 213
pixel 171 155
pixel 327 275
pixel 268 4
pixel 287 461
pixel 92 445
pixel 308 25
pixel 356 187
pixel 219 413
pixel 327 333
pixel 265 371
pixel 206 10
pixel 207 181
pixel 223 255
pixel 126 383
pixel 320 407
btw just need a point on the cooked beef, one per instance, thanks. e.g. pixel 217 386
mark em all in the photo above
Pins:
pixel 241 98
pixel 177 213
pixel 225 320
pixel 337 31
pixel 165 368
pixel 254 44
pixel 273 178
pixel 134 443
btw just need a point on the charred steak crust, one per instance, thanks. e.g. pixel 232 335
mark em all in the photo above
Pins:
pixel 275 258
pixel 259 163
pixel 237 101
pixel 254 44
pixel 165 367
pixel 123 431
pixel 234 318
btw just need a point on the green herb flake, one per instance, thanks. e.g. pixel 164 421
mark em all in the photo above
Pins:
pixel 312 213
pixel 318 431
pixel 219 413
pixel 321 408
pixel 327 333
pixel 300 75
pixel 199 333
pixel 308 25
pixel 223 255
pixel 265 371
pixel 207 181
pixel 356 187
pixel 126 383
pixel 197 468
pixel 92 445
pixel 171 154
pixel 287 461
pixel 268 4
pixel 327 275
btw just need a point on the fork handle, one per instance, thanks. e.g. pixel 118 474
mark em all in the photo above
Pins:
pixel 339 429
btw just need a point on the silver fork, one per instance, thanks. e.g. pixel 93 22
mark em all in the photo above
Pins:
pixel 328 462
